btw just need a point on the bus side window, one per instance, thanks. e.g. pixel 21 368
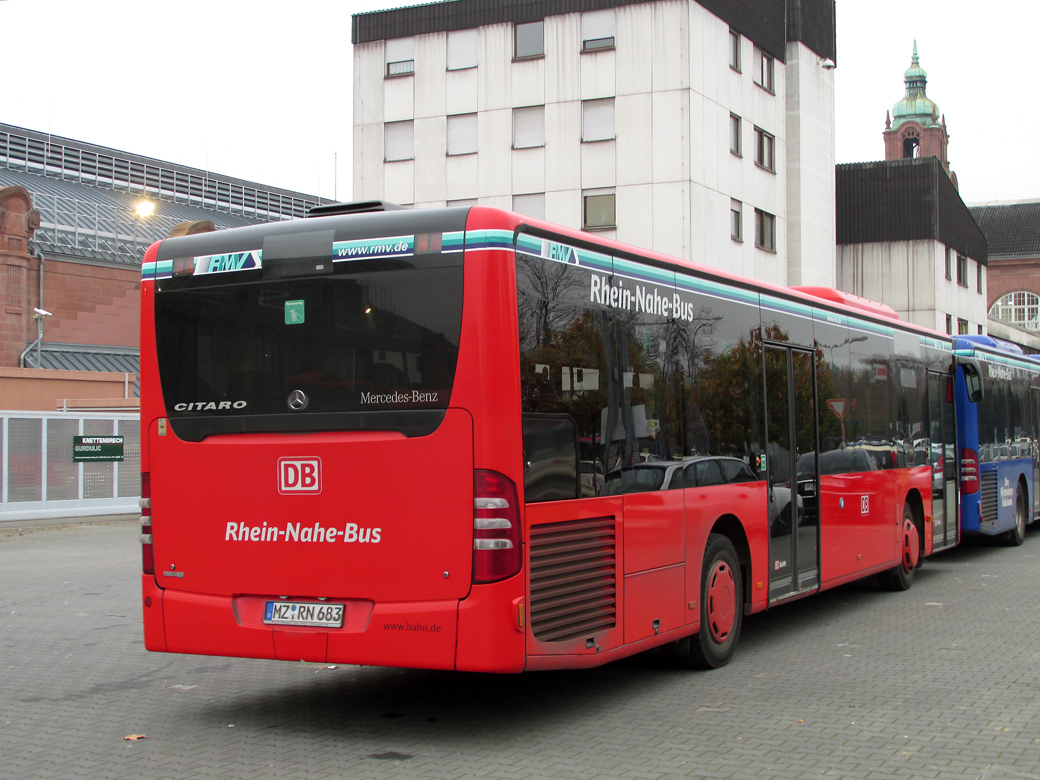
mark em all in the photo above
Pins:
pixel 550 457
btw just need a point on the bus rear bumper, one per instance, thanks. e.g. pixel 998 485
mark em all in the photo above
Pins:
pixel 420 635
pixel 152 608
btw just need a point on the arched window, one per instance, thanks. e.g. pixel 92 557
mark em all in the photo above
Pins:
pixel 1021 308
pixel 911 144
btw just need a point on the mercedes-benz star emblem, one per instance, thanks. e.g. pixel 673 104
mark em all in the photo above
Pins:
pixel 298 400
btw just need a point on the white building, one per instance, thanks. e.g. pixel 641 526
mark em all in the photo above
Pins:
pixel 694 128
pixel 905 238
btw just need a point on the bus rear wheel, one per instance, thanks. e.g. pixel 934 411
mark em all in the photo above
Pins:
pixel 1017 535
pixel 901 577
pixel 722 606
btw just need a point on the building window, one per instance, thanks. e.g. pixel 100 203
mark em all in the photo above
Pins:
pixel 528 40
pixel 765 230
pixel 734 134
pixel 597 30
pixel 736 220
pixel 962 327
pixel 462 49
pixel 530 205
pixel 949 324
pixel 597 120
pixel 462 134
pixel 763 70
pixel 528 127
pixel 978 278
pixel 598 210
pixel 734 50
pixel 764 149
pixel 962 270
pixel 980 330
pixel 949 264
pixel 399 141
pixel 1020 308
pixel 400 57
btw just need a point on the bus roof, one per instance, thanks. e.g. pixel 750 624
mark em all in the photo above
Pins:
pixel 837 300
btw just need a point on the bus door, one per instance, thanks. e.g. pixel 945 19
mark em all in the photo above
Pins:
pixel 943 459
pixel 791 465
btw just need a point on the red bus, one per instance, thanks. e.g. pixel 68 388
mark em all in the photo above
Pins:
pixel 464 439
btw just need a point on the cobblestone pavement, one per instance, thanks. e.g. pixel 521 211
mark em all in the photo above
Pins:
pixel 942 681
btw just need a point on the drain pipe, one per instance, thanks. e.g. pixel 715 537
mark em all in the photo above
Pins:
pixel 38 314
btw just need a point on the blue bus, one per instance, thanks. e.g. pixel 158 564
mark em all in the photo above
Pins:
pixel 998 416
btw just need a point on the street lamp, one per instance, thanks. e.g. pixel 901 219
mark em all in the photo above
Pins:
pixel 142 210
pixel 38 315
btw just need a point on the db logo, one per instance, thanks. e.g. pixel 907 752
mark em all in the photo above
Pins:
pixel 299 475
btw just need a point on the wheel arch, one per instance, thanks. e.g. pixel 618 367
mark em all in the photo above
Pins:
pixel 916 503
pixel 729 525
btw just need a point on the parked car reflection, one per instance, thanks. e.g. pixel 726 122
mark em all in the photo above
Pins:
pixel 697 471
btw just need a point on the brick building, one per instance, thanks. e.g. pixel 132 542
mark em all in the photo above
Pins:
pixel 72 238
pixel 1012 231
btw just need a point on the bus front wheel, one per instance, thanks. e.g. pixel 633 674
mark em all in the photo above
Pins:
pixel 722 606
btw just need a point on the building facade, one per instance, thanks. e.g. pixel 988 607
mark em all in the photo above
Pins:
pixel 906 239
pixel 1012 232
pixel 699 129
pixel 72 238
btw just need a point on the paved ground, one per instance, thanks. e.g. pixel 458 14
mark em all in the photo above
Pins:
pixel 940 682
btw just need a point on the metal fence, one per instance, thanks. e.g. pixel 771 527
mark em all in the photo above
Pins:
pixel 39 477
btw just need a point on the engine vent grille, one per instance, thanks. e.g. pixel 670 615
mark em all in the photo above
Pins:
pixel 988 496
pixel 573 579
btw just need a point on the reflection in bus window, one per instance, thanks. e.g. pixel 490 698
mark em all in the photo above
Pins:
pixel 643 386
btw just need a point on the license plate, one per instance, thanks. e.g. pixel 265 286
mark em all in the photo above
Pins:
pixel 303 613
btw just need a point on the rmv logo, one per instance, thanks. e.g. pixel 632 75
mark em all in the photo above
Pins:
pixel 562 254
pixel 299 475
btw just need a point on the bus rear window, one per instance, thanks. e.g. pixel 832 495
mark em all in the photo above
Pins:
pixel 368 345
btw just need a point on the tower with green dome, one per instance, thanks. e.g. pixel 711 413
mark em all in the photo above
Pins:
pixel 915 127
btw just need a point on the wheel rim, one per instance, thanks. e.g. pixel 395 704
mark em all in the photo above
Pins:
pixel 911 544
pixel 1020 515
pixel 722 601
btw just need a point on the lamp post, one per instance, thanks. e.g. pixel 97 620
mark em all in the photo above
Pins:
pixel 38 315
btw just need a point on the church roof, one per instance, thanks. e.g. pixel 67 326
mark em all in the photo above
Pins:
pixel 1011 229
pixel 915 106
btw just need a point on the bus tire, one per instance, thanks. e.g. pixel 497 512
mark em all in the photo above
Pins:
pixel 722 606
pixel 901 577
pixel 1017 535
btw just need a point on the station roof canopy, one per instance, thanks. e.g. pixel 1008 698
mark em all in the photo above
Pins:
pixel 87 196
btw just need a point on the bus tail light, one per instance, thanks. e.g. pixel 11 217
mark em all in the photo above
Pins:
pixel 496 527
pixel 969 471
pixel 147 556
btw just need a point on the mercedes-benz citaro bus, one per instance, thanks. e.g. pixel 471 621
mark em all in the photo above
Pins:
pixel 998 429
pixel 466 439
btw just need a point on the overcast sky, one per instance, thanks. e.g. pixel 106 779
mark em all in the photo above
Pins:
pixel 262 90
